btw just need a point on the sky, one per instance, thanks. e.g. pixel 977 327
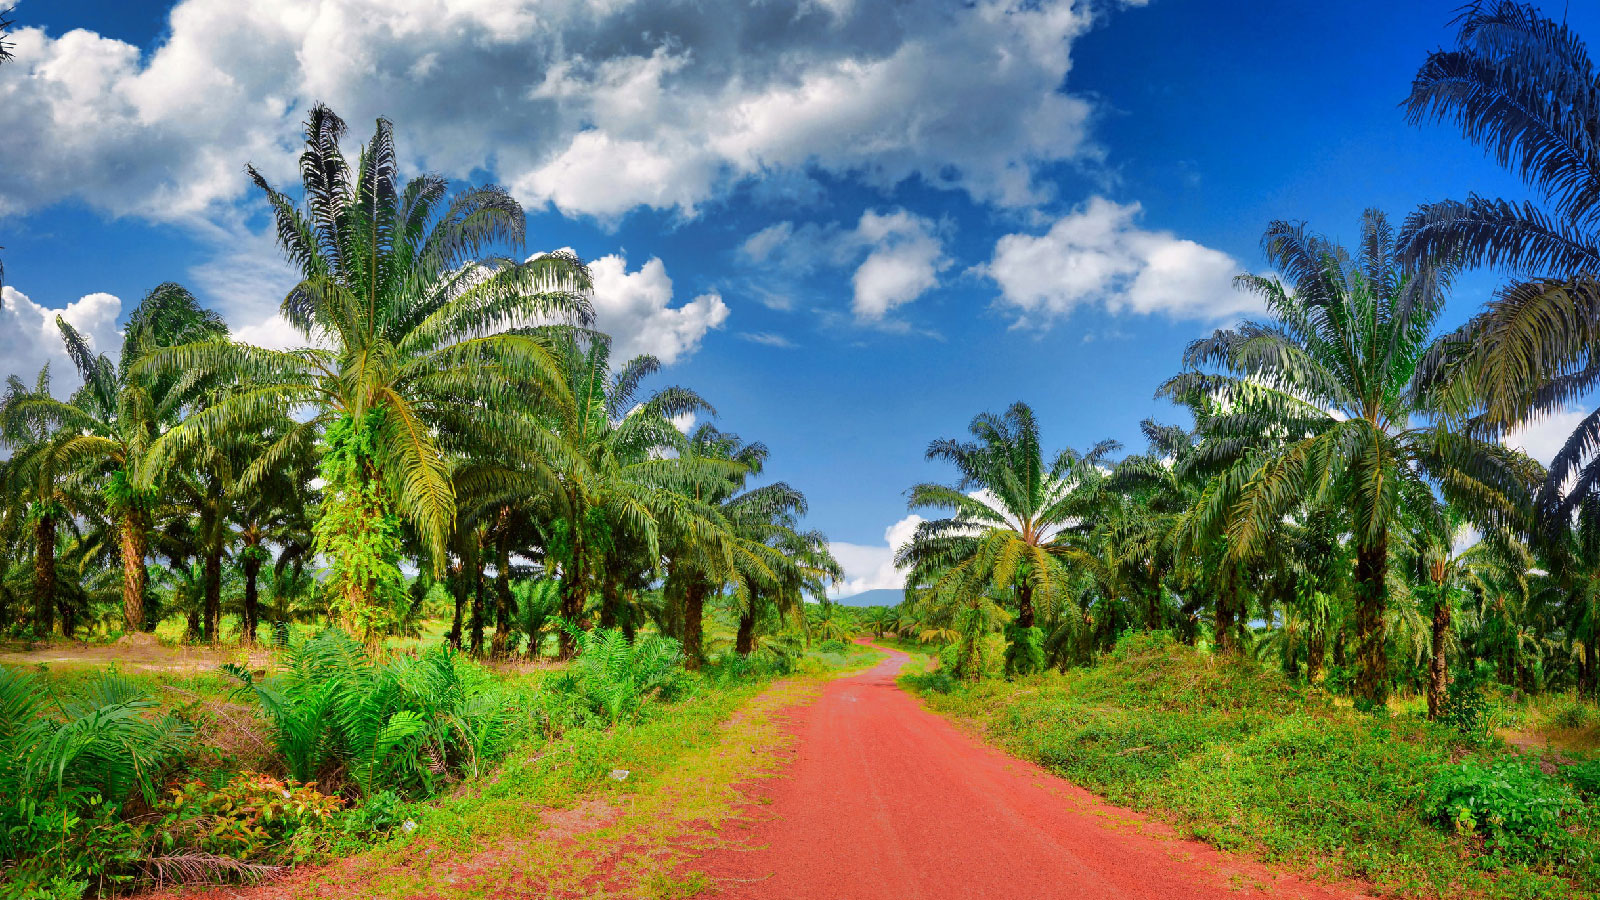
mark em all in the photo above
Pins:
pixel 850 225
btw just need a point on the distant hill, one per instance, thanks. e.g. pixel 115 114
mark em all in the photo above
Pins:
pixel 880 597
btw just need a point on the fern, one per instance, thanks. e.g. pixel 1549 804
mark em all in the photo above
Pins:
pixel 404 724
pixel 615 676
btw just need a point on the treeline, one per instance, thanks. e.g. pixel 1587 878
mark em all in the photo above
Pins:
pixel 452 415
pixel 1345 501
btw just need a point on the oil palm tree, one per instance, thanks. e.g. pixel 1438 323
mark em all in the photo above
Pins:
pixel 1523 87
pixel 718 466
pixel 1330 404
pixel 36 488
pixel 627 470
pixel 113 422
pixel 416 351
pixel 1009 522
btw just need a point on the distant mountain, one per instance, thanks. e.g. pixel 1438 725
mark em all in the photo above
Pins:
pixel 880 597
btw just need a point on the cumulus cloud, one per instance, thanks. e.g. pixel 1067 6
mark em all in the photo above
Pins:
pixel 904 264
pixel 904 254
pixel 871 566
pixel 29 337
pixel 1098 255
pixel 635 309
pixel 594 108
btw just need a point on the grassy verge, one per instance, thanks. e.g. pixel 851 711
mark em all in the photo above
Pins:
pixel 1233 755
pixel 560 819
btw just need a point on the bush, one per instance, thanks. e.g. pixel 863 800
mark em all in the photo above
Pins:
pixel 613 676
pixel 250 818
pixel 832 646
pixel 1584 778
pixel 1465 708
pixel 406 724
pixel 67 769
pixel 1517 808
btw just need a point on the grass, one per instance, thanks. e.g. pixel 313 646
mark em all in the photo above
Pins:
pixel 552 811
pixel 1235 756
pixel 555 818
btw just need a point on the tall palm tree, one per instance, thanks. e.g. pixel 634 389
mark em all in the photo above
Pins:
pixel 1010 514
pixel 1329 404
pixel 36 487
pixel 114 421
pixel 416 351
pixel 1522 86
pixel 697 569
pixel 626 466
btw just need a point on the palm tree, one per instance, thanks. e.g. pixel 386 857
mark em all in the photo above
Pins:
pixel 36 488
pixel 1008 531
pixel 1329 405
pixel 626 468
pixel 113 422
pixel 416 352
pixel 777 564
pixel 1523 87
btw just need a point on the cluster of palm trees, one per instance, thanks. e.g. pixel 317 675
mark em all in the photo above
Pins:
pixel 452 416
pixel 1345 500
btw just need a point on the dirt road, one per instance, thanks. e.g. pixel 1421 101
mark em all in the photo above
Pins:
pixel 887 800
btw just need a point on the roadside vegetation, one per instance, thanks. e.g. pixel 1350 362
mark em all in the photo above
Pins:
pixel 341 582
pixel 1339 620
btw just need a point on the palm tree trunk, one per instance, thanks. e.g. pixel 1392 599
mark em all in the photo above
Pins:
pixel 502 591
pixel 1316 650
pixel 477 609
pixel 609 602
pixel 213 576
pixel 574 597
pixel 44 575
pixel 746 641
pixel 252 602
pixel 458 590
pixel 694 600
pixel 1025 613
pixel 1438 673
pixel 135 577
pixel 1372 658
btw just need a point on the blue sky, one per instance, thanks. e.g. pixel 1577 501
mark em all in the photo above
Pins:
pixel 850 225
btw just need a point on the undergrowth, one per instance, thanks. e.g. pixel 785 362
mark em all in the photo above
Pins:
pixel 1242 759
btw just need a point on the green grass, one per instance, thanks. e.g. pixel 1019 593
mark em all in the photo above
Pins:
pixel 1237 757
pixel 683 761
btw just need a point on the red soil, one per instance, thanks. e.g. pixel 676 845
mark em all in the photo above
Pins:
pixel 885 799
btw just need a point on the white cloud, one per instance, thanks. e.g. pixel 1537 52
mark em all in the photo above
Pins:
pixel 871 566
pixel 634 308
pixel 767 339
pixel 904 264
pixel 29 337
pixel 273 332
pixel 1544 437
pixel 904 254
pixel 597 108
pixel 1098 255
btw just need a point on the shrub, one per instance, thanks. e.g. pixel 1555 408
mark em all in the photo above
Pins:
pixel 832 646
pixel 406 724
pixel 1465 708
pixel 67 768
pixel 1517 808
pixel 250 818
pixel 613 676
pixel 1584 778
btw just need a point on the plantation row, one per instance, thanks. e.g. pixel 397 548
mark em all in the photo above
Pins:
pixel 1345 502
pixel 452 411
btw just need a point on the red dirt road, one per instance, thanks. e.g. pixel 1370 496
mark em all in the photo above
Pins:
pixel 885 799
